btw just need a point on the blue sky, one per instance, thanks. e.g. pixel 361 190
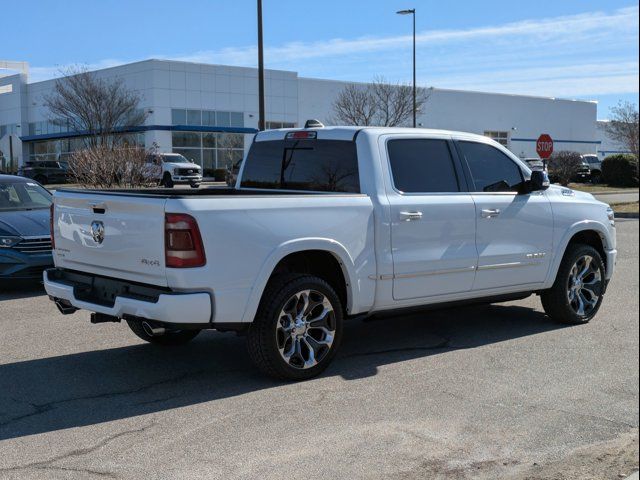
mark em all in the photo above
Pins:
pixel 569 48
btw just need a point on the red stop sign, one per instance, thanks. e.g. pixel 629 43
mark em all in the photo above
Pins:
pixel 544 146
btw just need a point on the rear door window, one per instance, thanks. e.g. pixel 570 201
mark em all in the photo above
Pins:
pixel 307 165
pixel 491 170
pixel 422 166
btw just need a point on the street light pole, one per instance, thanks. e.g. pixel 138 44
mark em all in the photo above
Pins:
pixel 412 11
pixel 261 101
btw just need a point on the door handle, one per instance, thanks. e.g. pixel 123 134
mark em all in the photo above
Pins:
pixel 490 212
pixel 408 216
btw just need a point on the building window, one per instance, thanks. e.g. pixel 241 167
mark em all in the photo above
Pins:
pixel 194 117
pixel 186 139
pixel 500 137
pixel 209 118
pixel 178 116
pixel 210 150
pixel 276 125
pixel 62 149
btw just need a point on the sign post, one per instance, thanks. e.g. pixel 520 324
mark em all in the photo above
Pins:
pixel 544 147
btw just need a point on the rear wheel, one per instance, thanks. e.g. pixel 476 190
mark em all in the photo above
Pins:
pixel 578 290
pixel 168 338
pixel 298 328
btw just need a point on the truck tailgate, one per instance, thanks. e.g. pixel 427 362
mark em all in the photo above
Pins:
pixel 130 246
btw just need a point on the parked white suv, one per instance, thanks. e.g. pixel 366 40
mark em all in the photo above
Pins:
pixel 326 224
pixel 170 169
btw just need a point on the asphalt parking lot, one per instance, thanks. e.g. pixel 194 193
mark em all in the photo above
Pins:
pixel 480 392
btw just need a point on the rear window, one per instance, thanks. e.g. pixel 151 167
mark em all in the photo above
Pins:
pixel 422 166
pixel 308 165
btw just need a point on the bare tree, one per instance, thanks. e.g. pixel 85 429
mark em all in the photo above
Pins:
pixel 86 103
pixel 378 103
pixel 623 127
pixel 563 166
pixel 106 166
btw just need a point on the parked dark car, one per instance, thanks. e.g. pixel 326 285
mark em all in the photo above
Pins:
pixel 583 175
pixel 45 172
pixel 25 239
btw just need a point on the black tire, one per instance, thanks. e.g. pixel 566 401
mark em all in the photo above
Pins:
pixel 596 178
pixel 167 181
pixel 557 301
pixel 170 338
pixel 263 334
pixel 41 179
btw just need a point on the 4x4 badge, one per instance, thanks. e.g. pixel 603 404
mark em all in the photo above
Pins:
pixel 97 231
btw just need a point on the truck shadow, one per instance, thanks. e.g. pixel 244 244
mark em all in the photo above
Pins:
pixel 88 388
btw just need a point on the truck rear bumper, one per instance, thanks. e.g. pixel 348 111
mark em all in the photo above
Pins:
pixel 166 306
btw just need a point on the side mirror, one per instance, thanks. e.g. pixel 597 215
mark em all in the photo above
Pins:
pixel 539 181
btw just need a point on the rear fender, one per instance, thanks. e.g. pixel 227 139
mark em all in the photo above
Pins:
pixel 301 245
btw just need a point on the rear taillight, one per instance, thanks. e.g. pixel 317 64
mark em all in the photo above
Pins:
pixel 52 211
pixel 182 242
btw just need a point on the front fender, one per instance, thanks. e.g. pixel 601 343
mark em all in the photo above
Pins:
pixel 585 225
pixel 300 245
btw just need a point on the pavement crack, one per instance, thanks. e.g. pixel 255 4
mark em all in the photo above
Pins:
pixel 40 408
pixel 49 464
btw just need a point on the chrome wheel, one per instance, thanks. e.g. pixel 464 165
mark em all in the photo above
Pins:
pixel 584 287
pixel 305 329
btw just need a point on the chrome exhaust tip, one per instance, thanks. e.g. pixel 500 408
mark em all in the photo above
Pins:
pixel 64 306
pixel 152 330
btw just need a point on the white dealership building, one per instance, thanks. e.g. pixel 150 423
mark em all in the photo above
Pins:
pixel 195 109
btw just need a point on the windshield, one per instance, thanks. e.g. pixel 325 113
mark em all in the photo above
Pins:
pixel 23 196
pixel 174 159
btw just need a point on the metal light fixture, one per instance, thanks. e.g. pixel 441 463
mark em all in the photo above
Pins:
pixel 412 11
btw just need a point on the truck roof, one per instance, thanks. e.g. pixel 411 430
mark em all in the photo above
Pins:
pixel 350 132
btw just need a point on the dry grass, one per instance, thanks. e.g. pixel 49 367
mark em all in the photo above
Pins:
pixel 626 207
pixel 600 188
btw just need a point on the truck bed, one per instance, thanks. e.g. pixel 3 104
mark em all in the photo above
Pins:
pixel 199 192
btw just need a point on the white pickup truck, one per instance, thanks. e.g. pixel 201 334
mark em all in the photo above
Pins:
pixel 326 224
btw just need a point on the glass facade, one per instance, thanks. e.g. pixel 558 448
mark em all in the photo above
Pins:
pixel 276 125
pixel 61 150
pixel 47 127
pixel 500 137
pixel 210 150
pixel 11 129
pixel 209 118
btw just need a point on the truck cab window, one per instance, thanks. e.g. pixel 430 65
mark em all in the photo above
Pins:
pixel 422 166
pixel 491 170
pixel 307 165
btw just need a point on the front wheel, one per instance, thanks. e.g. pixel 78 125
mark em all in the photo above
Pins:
pixel 297 329
pixel 578 290
pixel 167 181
